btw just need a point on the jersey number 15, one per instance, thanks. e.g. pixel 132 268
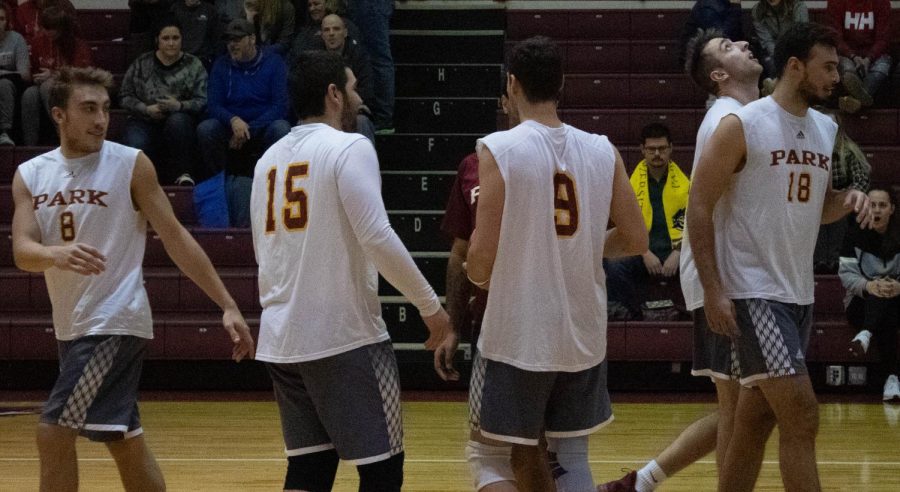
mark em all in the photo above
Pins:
pixel 294 212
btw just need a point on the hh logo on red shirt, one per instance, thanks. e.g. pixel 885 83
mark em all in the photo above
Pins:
pixel 859 21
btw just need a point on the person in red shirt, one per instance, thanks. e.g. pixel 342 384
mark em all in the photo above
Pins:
pixel 864 35
pixel 27 15
pixel 55 46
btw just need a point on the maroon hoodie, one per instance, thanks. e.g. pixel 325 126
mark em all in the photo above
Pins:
pixel 864 26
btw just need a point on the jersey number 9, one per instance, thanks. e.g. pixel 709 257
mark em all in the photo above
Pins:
pixel 565 203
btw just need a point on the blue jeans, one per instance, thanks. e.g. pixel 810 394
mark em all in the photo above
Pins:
pixel 623 275
pixel 213 137
pixel 879 70
pixel 373 17
pixel 169 143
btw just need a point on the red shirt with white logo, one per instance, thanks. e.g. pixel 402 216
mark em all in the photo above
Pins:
pixel 864 26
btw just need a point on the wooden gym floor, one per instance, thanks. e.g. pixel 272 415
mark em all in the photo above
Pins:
pixel 236 446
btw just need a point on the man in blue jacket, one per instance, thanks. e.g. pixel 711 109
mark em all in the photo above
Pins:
pixel 247 107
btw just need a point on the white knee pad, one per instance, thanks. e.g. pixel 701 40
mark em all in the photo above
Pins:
pixel 569 462
pixel 489 464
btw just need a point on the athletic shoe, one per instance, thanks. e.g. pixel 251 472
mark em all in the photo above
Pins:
pixel 624 484
pixel 5 140
pixel 184 180
pixel 856 88
pixel 849 104
pixel 860 343
pixel 892 389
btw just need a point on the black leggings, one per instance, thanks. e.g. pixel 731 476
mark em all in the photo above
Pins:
pixel 882 318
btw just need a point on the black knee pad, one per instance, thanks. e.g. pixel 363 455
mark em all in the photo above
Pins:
pixel 382 476
pixel 313 472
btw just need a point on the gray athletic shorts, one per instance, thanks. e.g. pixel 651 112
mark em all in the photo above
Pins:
pixel 773 342
pixel 513 405
pixel 97 388
pixel 348 402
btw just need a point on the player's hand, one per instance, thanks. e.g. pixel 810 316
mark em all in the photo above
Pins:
pixel 443 357
pixel 652 263
pixel 670 267
pixel 79 258
pixel 858 202
pixel 720 315
pixel 438 327
pixel 239 332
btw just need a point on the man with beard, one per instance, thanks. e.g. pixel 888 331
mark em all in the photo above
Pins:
pixel 320 231
pixel 729 71
pixel 760 190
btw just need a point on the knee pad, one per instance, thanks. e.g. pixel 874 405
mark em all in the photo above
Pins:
pixel 382 476
pixel 313 472
pixel 569 463
pixel 489 464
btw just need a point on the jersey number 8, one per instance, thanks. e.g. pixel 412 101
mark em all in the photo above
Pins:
pixel 294 213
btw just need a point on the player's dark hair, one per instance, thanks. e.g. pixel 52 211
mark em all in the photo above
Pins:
pixel 798 42
pixel 698 63
pixel 655 130
pixel 538 66
pixel 310 78
pixel 69 77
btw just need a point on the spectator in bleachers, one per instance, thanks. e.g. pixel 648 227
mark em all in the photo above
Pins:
pixel 145 15
pixel 247 107
pixel 57 45
pixel 724 15
pixel 199 23
pixel 15 71
pixel 28 15
pixel 849 169
pixel 870 270
pixel 771 19
pixel 334 35
pixel 662 192
pixel 273 21
pixel 164 92
pixel 864 35
pixel 228 10
pixel 374 18
pixel 309 35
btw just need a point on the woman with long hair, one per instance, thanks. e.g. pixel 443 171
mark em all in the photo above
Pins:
pixel 55 46
pixel 870 272
pixel 273 21
pixel 164 92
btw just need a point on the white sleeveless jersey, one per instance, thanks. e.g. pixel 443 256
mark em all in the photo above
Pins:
pixel 547 305
pixel 88 200
pixel 768 220
pixel 690 280
pixel 313 236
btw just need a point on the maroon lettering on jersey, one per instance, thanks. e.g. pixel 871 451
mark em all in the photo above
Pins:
pixel 777 155
pixel 75 196
pixel 40 199
pixel 94 197
pixel 823 161
pixel 809 158
pixel 792 157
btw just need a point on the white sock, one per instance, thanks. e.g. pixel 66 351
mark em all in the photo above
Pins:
pixel 569 462
pixel 649 477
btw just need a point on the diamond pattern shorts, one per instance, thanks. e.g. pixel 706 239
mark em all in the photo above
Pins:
pixel 774 339
pixel 513 405
pixel 97 388
pixel 348 402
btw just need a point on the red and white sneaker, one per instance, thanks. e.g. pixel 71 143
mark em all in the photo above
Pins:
pixel 624 484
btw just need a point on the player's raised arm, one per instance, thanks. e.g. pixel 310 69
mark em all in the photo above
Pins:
pixel 629 237
pixel 32 256
pixel 486 236
pixel 720 159
pixel 186 253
